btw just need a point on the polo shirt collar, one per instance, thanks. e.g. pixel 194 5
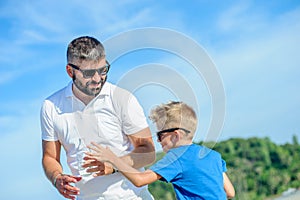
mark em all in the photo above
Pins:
pixel 105 91
pixel 69 92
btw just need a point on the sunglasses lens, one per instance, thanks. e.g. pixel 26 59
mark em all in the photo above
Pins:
pixel 103 71
pixel 88 73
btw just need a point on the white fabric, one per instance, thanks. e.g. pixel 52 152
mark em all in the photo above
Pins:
pixel 107 120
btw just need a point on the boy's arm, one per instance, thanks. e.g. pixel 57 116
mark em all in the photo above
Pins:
pixel 136 177
pixel 228 187
pixel 140 179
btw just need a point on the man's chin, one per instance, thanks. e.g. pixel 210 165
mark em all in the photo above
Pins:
pixel 95 91
pixel 95 88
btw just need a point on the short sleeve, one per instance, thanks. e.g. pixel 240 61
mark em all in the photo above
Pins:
pixel 133 117
pixel 168 167
pixel 46 121
pixel 224 168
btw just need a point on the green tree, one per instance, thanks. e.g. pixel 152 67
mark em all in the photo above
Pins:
pixel 295 140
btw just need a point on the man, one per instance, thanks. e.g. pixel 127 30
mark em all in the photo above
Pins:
pixel 91 109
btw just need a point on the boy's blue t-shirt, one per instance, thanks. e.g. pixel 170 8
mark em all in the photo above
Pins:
pixel 195 171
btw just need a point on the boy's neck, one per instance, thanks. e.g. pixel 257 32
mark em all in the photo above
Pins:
pixel 184 143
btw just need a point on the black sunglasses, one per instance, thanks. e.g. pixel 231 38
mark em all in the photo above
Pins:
pixel 160 133
pixel 89 73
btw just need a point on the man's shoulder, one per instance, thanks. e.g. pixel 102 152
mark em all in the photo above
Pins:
pixel 118 94
pixel 60 95
pixel 115 89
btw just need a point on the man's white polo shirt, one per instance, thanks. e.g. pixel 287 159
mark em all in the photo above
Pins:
pixel 107 120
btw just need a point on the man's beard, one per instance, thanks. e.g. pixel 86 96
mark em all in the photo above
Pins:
pixel 85 89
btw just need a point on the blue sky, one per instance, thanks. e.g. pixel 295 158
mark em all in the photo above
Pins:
pixel 253 44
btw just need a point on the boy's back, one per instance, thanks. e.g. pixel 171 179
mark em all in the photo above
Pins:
pixel 195 172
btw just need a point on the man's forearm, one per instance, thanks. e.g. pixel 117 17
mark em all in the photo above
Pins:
pixel 140 157
pixel 51 168
pixel 144 151
pixel 51 158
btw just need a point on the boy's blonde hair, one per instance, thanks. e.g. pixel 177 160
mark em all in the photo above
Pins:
pixel 174 115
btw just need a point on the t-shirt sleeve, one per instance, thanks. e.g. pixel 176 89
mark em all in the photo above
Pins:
pixel 168 168
pixel 46 121
pixel 133 115
pixel 224 168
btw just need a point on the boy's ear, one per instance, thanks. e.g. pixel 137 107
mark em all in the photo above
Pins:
pixel 176 136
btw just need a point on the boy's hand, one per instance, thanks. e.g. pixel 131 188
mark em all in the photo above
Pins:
pixel 100 153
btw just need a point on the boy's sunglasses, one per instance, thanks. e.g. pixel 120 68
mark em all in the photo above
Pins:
pixel 89 73
pixel 160 133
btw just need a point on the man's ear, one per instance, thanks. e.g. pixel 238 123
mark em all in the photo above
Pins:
pixel 69 71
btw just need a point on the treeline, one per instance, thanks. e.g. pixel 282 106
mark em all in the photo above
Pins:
pixel 257 167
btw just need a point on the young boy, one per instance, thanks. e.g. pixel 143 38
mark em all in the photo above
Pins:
pixel 195 171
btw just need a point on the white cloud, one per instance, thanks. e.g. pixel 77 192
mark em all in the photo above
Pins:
pixel 21 153
pixel 234 17
pixel 276 46
pixel 141 18
pixel 21 163
pixel 260 74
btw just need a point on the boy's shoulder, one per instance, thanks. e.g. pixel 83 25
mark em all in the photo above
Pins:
pixel 193 149
pixel 201 151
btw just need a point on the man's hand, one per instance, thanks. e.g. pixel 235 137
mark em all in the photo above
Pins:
pixel 97 167
pixel 63 185
pixel 142 155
